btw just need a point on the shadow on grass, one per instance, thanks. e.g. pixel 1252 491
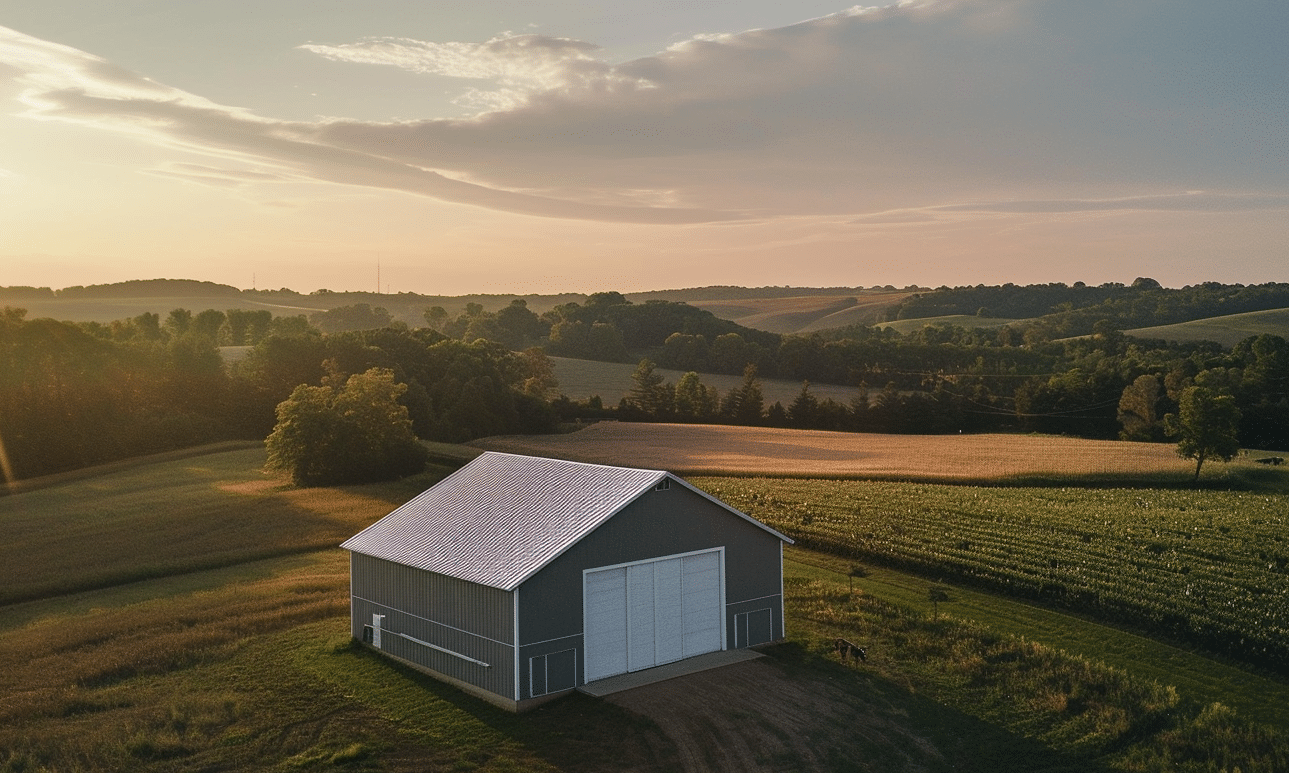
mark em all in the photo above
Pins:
pixel 575 733
pixel 966 743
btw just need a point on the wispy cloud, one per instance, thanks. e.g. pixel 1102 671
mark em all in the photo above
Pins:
pixel 65 84
pixel 1190 201
pixel 519 64
pixel 890 110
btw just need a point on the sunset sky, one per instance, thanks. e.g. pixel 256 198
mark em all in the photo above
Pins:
pixel 509 146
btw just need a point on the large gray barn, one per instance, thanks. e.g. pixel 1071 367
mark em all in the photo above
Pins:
pixel 518 578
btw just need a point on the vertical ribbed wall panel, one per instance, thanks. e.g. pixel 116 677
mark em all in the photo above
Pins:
pixel 473 621
pixel 475 608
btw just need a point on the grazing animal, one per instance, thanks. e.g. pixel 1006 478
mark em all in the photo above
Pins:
pixel 1270 460
pixel 847 649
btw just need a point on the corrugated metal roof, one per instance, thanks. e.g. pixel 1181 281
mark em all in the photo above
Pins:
pixel 502 517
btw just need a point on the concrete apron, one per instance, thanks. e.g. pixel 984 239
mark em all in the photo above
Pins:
pixel 693 665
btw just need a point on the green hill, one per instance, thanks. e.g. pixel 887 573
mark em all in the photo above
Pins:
pixel 967 321
pixel 1227 331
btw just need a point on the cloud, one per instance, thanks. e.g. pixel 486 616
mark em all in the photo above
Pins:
pixel 1191 201
pixel 1029 106
pixel 64 84
pixel 520 64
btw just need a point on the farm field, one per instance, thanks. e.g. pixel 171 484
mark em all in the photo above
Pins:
pixel 959 320
pixel 220 657
pixel 694 449
pixel 579 379
pixel 803 314
pixel 1227 331
pixel 1209 568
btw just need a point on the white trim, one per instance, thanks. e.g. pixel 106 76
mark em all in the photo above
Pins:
pixel 782 599
pixel 515 596
pixel 724 604
pixel 548 641
pixel 720 549
pixel 438 648
pixel 435 622
pixel 748 601
pixel 546 657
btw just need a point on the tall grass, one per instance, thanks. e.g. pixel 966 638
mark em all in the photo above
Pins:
pixel 1091 715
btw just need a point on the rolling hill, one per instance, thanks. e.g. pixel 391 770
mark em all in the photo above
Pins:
pixel 1227 331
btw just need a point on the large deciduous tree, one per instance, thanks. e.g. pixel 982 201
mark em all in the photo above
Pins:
pixel 1206 425
pixel 357 433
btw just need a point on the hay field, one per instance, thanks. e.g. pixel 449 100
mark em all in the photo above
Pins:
pixel 1227 331
pixel 803 313
pixel 694 449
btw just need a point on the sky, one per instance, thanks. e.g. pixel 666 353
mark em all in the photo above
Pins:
pixel 501 146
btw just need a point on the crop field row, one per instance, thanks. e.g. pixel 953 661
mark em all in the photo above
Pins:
pixel 1207 567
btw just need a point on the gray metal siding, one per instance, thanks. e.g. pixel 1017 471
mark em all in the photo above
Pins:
pixel 471 607
pixel 659 523
pixel 472 620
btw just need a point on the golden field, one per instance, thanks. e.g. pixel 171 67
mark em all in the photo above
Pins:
pixel 693 449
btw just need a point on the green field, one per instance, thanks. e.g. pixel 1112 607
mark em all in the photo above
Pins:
pixel 1227 331
pixel 1205 567
pixel 966 321
pixel 579 379
pixel 190 614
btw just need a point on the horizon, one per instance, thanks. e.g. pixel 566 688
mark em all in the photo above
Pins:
pixel 559 146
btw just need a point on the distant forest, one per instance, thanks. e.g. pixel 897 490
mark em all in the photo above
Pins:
pixel 77 394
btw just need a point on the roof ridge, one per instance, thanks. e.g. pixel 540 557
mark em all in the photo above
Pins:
pixel 573 461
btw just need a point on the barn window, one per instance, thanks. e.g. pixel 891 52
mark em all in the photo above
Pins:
pixel 663 485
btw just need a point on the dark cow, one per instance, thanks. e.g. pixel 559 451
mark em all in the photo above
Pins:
pixel 847 649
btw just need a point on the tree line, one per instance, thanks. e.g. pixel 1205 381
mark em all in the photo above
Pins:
pixel 78 394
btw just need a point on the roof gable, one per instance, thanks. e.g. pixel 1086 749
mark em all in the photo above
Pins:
pixel 501 518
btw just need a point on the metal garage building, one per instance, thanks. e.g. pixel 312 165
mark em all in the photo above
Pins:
pixel 518 578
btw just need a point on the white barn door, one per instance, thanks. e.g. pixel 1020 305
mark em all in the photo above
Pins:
pixel 652 612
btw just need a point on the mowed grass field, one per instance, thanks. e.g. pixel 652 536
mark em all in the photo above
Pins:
pixel 1227 331
pixel 231 650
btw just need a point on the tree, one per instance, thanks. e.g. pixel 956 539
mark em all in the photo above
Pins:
pixel 745 403
pixel 694 400
pixel 1137 409
pixel 358 433
pixel 1206 425
pixel 651 394
pixel 804 410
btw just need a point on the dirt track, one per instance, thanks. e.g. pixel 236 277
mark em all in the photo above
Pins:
pixel 752 716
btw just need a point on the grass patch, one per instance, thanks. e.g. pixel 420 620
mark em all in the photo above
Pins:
pixel 174 517
pixel 1082 713
pixel 1258 698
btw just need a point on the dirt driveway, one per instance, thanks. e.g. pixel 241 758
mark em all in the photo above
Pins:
pixel 752 716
